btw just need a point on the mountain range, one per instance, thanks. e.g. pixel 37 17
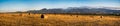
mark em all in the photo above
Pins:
pixel 79 10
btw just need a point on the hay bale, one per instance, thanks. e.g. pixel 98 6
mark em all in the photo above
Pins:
pixel 43 16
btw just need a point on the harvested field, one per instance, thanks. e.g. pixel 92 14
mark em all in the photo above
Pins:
pixel 25 19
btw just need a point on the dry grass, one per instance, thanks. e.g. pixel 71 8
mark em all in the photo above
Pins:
pixel 24 19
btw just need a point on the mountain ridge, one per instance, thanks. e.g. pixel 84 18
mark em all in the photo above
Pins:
pixel 78 10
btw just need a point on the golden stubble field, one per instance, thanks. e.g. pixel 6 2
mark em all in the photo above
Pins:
pixel 24 19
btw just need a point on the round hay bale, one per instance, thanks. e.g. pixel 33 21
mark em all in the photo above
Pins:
pixel 43 16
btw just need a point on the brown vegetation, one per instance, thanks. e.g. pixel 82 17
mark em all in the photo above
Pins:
pixel 26 19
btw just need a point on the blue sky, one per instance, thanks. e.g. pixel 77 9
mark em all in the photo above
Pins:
pixel 24 5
